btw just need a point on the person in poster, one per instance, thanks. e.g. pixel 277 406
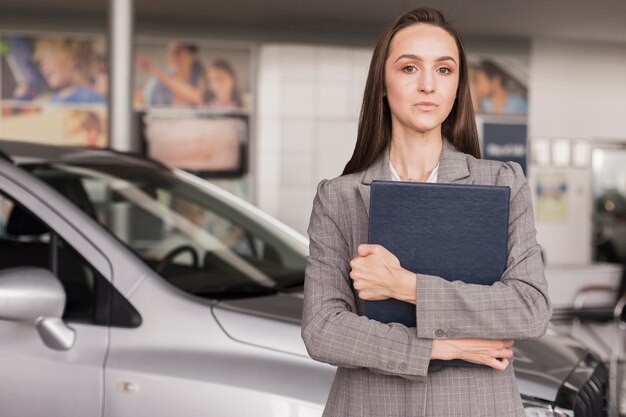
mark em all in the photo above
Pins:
pixel 65 65
pixel 223 89
pixel 87 128
pixel 183 84
pixel 494 90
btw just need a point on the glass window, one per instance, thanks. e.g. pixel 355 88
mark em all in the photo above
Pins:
pixel 26 241
pixel 198 242
pixel 609 193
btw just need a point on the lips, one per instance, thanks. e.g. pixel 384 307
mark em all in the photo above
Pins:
pixel 426 105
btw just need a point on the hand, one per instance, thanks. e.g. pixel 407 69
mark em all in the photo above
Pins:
pixel 481 351
pixel 144 64
pixel 377 275
pixel 21 91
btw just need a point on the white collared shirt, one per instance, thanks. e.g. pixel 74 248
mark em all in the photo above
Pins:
pixel 431 178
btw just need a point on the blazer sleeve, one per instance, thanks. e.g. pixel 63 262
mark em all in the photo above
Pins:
pixel 515 307
pixel 331 329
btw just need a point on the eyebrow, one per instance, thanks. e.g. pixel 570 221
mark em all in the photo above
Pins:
pixel 419 58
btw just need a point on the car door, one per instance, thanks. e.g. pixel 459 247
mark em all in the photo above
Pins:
pixel 180 361
pixel 36 380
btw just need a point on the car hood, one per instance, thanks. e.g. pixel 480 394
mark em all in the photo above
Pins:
pixel 273 322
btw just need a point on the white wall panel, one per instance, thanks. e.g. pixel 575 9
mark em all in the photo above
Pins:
pixel 308 132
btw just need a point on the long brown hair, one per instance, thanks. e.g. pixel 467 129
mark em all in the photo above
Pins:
pixel 374 133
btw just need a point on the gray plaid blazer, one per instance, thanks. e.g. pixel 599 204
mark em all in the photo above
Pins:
pixel 383 369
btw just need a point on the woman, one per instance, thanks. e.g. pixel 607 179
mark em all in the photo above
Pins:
pixel 223 91
pixel 417 118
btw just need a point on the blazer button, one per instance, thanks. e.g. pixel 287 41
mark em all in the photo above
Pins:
pixel 439 332
pixel 391 364
pixel 403 366
pixel 451 333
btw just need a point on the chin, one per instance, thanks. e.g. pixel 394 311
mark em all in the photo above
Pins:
pixel 54 84
pixel 424 127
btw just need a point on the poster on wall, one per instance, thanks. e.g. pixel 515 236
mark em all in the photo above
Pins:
pixel 192 75
pixel 499 83
pixel 194 98
pixel 55 125
pixel 552 201
pixel 53 89
pixel 197 97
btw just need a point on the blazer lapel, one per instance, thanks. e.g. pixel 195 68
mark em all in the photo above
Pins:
pixel 453 165
pixel 452 168
pixel 378 170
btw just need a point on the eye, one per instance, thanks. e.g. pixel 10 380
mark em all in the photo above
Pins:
pixel 445 70
pixel 409 69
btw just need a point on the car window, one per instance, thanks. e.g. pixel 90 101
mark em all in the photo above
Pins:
pixel 27 241
pixel 197 242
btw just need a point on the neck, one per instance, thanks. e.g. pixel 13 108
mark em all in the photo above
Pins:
pixel 416 155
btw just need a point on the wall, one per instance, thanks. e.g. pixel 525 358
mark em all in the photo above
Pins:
pixel 577 91
pixel 308 102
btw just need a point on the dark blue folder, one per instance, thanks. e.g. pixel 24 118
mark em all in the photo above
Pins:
pixel 454 231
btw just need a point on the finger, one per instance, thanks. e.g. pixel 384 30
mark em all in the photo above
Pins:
pixel 504 353
pixel 496 364
pixel 500 352
pixel 364 249
pixel 353 275
pixel 501 344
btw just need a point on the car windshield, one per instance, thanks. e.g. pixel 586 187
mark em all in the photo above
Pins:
pixel 200 242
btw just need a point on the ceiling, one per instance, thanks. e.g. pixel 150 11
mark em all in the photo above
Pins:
pixel 603 20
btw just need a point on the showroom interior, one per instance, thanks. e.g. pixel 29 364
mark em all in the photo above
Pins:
pixel 295 73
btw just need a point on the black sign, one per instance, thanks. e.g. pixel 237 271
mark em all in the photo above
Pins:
pixel 506 142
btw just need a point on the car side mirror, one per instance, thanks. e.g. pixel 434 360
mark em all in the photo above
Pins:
pixel 35 296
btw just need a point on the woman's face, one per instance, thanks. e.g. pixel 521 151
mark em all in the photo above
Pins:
pixel 57 67
pixel 421 77
pixel 221 83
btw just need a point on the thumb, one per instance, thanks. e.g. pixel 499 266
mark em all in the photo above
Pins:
pixel 365 249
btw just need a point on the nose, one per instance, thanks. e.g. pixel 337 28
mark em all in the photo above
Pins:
pixel 426 83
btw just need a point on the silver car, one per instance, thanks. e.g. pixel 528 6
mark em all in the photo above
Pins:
pixel 129 289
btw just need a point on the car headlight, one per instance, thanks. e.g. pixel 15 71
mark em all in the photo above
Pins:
pixel 548 411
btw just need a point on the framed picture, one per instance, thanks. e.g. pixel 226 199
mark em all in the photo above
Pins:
pixel 193 74
pixel 499 83
pixel 53 89
pixel 203 143
pixel 196 98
